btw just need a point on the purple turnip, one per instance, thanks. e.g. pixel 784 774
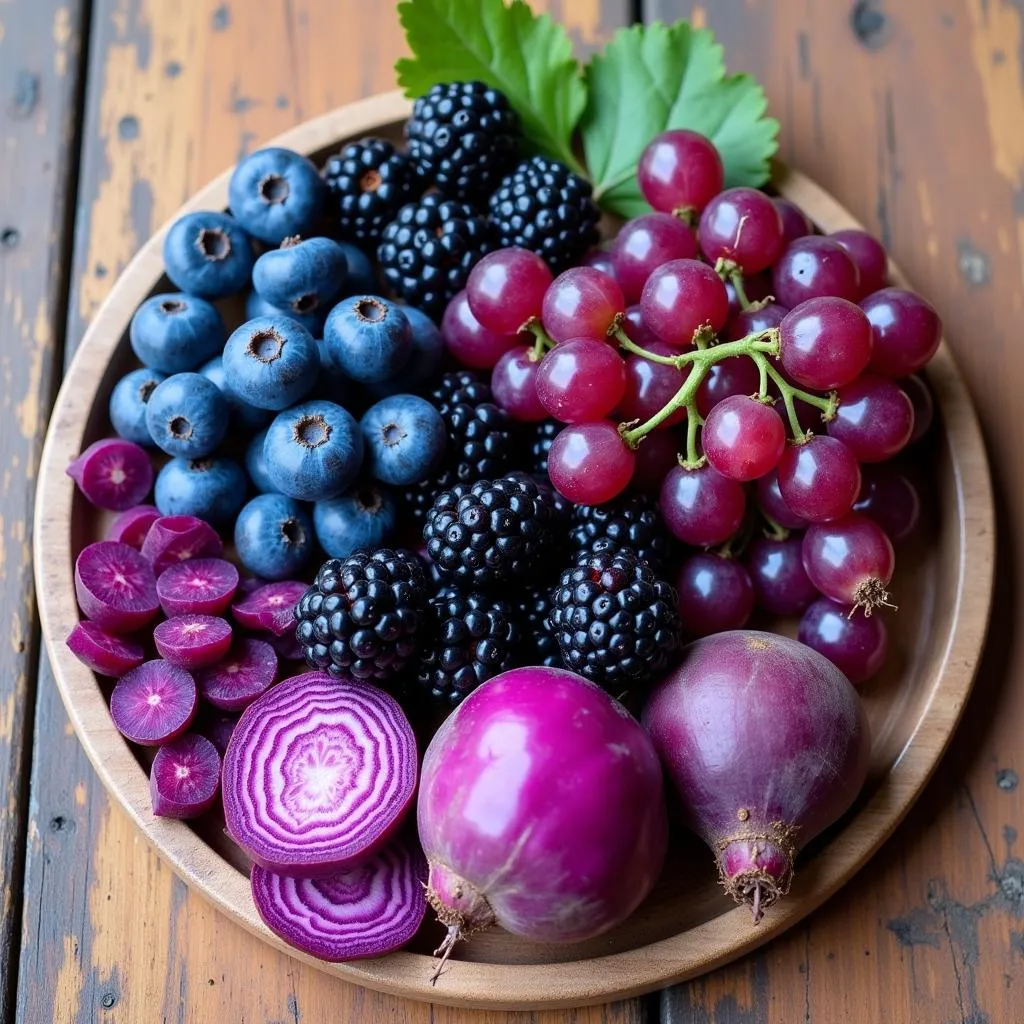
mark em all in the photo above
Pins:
pixel 185 777
pixel 113 473
pixel 767 744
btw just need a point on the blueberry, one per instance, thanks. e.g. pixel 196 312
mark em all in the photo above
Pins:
pixel 208 254
pixel 363 517
pixel 302 276
pixel 424 360
pixel 405 439
pixel 256 464
pixel 362 278
pixel 276 193
pixel 187 415
pixel 256 305
pixel 210 488
pixel 128 404
pixel 313 451
pixel 271 362
pixel 175 332
pixel 369 338
pixel 273 536
pixel 244 414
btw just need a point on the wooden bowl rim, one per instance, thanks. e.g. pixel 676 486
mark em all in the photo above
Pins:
pixel 470 984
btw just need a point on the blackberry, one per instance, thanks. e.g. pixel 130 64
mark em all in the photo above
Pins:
pixel 474 636
pixel 542 206
pixel 489 532
pixel 480 433
pixel 368 182
pixel 541 436
pixel 362 616
pixel 428 250
pixel 629 521
pixel 533 605
pixel 616 623
pixel 464 137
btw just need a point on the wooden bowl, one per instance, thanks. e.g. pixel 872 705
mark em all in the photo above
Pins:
pixel 687 926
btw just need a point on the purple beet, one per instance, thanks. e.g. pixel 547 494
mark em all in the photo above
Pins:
pixel 246 672
pixel 204 586
pixel 217 727
pixel 113 473
pixel 103 652
pixel 185 777
pixel 193 641
pixel 173 539
pixel 132 525
pixel 270 608
pixel 154 703
pixel 115 587
pixel 767 744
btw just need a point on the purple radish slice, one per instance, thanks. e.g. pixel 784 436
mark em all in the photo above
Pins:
pixel 193 641
pixel 287 647
pixel 115 587
pixel 217 727
pixel 154 703
pixel 113 473
pixel 271 608
pixel 132 525
pixel 205 586
pixel 174 539
pixel 185 777
pixel 318 775
pixel 103 652
pixel 369 910
pixel 246 672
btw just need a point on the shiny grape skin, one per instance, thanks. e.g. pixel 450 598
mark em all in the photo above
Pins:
pixel 819 479
pixel 600 259
pixel 715 594
pixel 649 386
pixel 581 379
pixel 506 289
pixel 743 438
pixel 680 170
pixel 681 296
pixel 795 223
pixel 700 506
pixel 514 385
pixel 875 418
pixel 906 331
pixel 756 287
pixel 920 396
pixel 736 375
pixel 770 501
pixel 581 303
pixel 468 341
pixel 855 644
pixel 781 584
pixel 754 320
pixel 744 226
pixel 889 497
pixel 812 267
pixel 589 463
pixel 868 253
pixel 643 244
pixel 848 558
pixel 657 454
pixel 825 343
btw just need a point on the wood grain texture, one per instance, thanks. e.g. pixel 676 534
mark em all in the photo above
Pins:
pixel 912 114
pixel 40 81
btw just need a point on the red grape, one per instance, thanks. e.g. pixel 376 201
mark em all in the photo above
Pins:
pixel 600 259
pixel 869 254
pixel 744 226
pixel 506 288
pixel 855 644
pixel 743 438
pixel 825 343
pixel 644 244
pixel 770 499
pixel 469 342
pixel 581 303
pixel 514 385
pixel 812 267
pixel 756 287
pixel 649 386
pixel 819 478
pixel 780 583
pixel 700 506
pixel 906 329
pixel 920 396
pixel 681 296
pixel 736 375
pixel 753 320
pixel 589 463
pixel 795 223
pixel 889 497
pixel 637 331
pixel 875 418
pixel 657 453
pixel 581 379
pixel 850 560
pixel 680 170
pixel 715 594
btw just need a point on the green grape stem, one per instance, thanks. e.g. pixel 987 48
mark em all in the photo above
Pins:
pixel 542 341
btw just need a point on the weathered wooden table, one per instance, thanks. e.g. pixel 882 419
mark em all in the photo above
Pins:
pixel 113 111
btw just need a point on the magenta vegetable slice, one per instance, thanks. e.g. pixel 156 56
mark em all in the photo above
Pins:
pixel 115 586
pixel 174 539
pixel 154 703
pixel 103 652
pixel 113 473
pixel 193 641
pixel 246 672
pixel 132 525
pixel 270 608
pixel 205 586
pixel 185 777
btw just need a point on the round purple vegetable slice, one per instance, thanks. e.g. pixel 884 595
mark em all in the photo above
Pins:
pixel 115 587
pixel 369 910
pixel 185 777
pixel 193 641
pixel 247 671
pixel 204 586
pixel 103 652
pixel 132 525
pixel 318 775
pixel 173 539
pixel 270 608
pixel 154 703
pixel 113 473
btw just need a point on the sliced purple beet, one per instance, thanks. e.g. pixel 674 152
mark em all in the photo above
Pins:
pixel 103 652
pixel 113 473
pixel 154 703
pixel 132 525
pixel 216 726
pixel 369 910
pixel 115 587
pixel 318 775
pixel 204 586
pixel 174 539
pixel 193 641
pixel 246 672
pixel 271 608
pixel 286 646
pixel 185 777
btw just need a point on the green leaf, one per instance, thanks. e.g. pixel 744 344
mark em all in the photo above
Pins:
pixel 650 78
pixel 527 56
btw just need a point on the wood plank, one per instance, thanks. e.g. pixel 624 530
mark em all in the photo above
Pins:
pixel 175 95
pixel 912 115
pixel 40 88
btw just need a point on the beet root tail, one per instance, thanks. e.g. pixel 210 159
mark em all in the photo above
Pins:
pixel 757 869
